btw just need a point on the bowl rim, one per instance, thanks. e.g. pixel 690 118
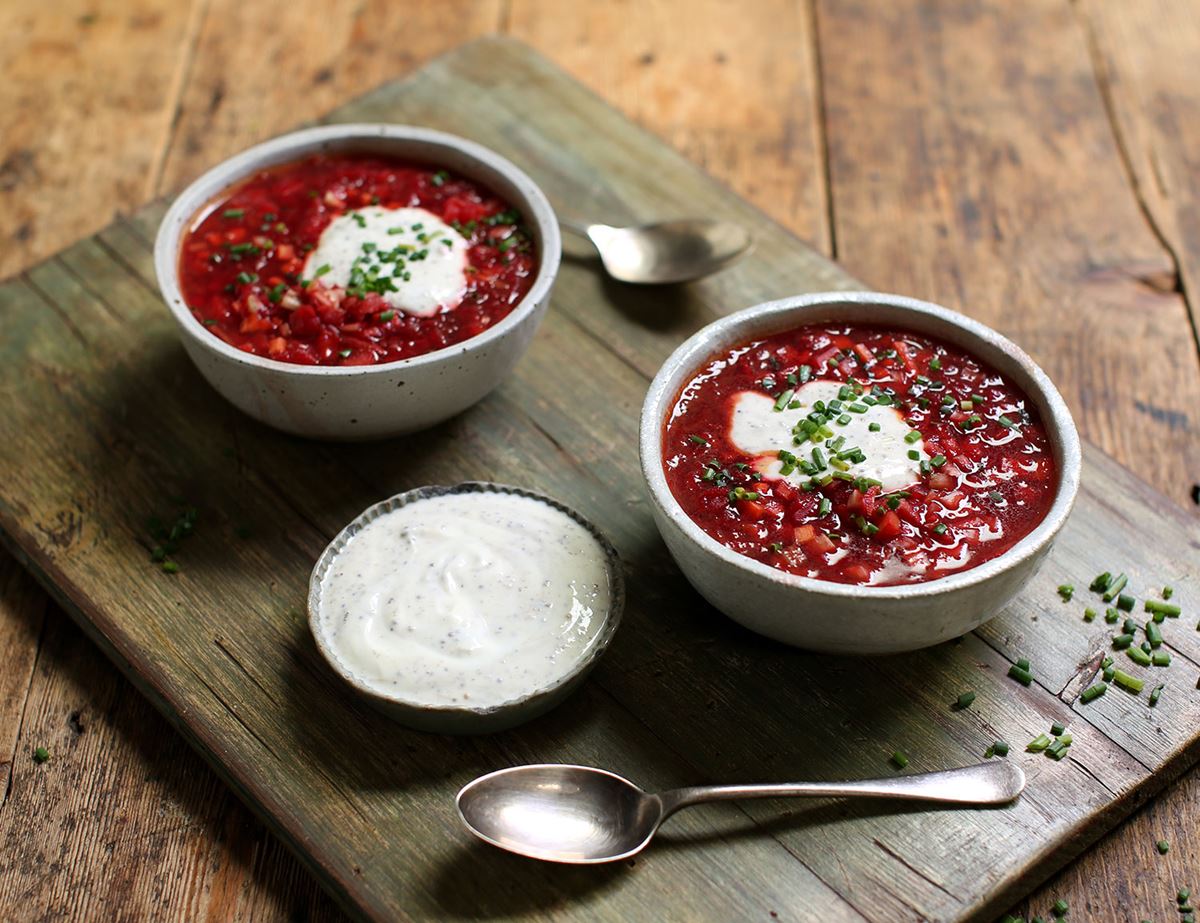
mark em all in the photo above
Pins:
pixel 706 341
pixel 600 643
pixel 202 190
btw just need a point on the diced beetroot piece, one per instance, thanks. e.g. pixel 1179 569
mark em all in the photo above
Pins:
pixel 889 527
pixel 802 534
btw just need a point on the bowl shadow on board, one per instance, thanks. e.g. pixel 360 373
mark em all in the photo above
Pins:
pixel 668 309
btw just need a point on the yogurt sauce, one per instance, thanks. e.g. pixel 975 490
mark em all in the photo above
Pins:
pixel 466 600
pixel 425 258
pixel 757 428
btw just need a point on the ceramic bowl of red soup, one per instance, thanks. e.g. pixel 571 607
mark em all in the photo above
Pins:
pixel 857 472
pixel 358 281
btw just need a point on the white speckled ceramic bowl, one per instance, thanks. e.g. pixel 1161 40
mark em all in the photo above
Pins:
pixel 458 719
pixel 834 617
pixel 363 402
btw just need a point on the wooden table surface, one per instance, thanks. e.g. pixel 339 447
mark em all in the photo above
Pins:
pixel 1028 156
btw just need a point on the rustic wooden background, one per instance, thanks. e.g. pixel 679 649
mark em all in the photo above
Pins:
pixel 908 139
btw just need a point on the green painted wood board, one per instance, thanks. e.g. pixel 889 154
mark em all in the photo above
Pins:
pixel 107 424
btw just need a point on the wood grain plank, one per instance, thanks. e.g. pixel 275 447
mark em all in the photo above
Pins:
pixel 735 94
pixel 80 129
pixel 973 163
pixel 260 64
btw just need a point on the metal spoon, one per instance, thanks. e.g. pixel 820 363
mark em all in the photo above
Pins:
pixel 670 251
pixel 581 815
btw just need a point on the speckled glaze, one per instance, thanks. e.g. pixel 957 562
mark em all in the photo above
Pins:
pixel 464 720
pixel 841 618
pixel 376 401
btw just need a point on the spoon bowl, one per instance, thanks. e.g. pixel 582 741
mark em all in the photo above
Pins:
pixel 582 816
pixel 666 252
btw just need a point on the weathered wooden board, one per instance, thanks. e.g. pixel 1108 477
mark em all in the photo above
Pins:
pixel 107 424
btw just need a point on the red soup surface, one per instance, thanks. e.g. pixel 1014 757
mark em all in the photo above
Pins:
pixel 858 454
pixel 418 259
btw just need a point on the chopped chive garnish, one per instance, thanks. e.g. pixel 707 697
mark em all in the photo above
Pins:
pixel 1100 584
pixel 1127 682
pixel 1023 664
pixel 321 270
pixel 385 316
pixel 1160 608
pixel 1160 659
pixel 1168 592
pixel 1138 656
pixel 1093 692
pixel 1038 744
pixel 1154 634
pixel 170 567
pixel 233 213
pixel 40 755
pixel 899 759
pixel 245 278
pixel 1066 591
pixel 1000 748
pixel 939 529
pixel 937 461
pixel 344 353
pixel 912 437
pixel 874 427
pixel 805 373
pixel 824 507
pixel 1121 642
pixel 1163 847
pixel 782 401
pixel 1155 693
pixel 1125 602
pixel 1115 588
pixel 965 699
pixel 843 419
pixel 1089 614
pixel 914 454
pixel 208 322
pixel 1183 895
pixel 1060 907
pixel 1111 615
pixel 698 440
pixel 1057 728
pixel 1020 674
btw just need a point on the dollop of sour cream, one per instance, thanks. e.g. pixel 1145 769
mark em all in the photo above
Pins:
pixel 757 428
pixel 468 600
pixel 424 258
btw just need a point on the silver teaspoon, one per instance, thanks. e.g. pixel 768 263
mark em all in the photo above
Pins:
pixel 582 815
pixel 670 251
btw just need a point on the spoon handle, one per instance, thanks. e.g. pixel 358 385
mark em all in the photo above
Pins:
pixel 987 783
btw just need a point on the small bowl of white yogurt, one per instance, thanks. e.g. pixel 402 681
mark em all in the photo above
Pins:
pixel 466 609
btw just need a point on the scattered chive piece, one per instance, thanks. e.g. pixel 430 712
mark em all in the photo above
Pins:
pixel 1160 659
pixel 1155 693
pixel 40 755
pixel 1167 609
pixel 1130 627
pixel 899 759
pixel 1038 744
pixel 1115 587
pixel 1168 592
pixel 1023 663
pixel 208 322
pixel 385 316
pixel 1139 656
pixel 782 401
pixel 233 213
pixel 1089 614
pixel 965 700
pixel 1111 615
pixel 1125 602
pixel 1093 692
pixel 912 437
pixel 1184 894
pixel 1066 591
pixel 698 440
pixel 1057 728
pixel 1060 907
pixel 1154 634
pixel 1121 642
pixel 170 567
pixel 1106 662
pixel 874 427
pixel 1108 673
pixel 1000 748
pixel 1163 847
pixel 1127 682
pixel 1100 584
pixel 344 353
pixel 940 529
